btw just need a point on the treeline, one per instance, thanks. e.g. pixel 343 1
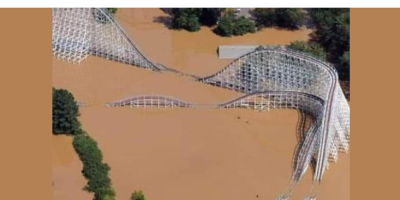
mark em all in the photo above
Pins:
pixel 191 19
pixel 330 41
pixel 65 113
pixel 65 121
pixel 333 33
pixel 228 23
pixel 312 48
pixel 94 170
pixel 290 18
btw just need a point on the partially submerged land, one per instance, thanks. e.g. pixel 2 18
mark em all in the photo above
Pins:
pixel 182 153
pixel 192 52
pixel 67 177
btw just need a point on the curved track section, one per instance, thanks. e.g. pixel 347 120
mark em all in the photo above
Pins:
pixel 271 77
pixel 261 101
pixel 80 32
pixel 150 101
pixel 281 69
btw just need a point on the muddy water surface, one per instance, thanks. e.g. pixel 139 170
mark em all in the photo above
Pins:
pixel 184 154
pixel 67 177
pixel 193 53
pixel 204 153
pixel 188 153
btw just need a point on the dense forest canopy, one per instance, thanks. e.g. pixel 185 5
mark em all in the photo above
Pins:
pixel 290 18
pixel 333 33
pixel 191 19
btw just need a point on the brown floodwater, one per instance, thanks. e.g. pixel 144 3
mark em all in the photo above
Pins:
pixel 187 154
pixel 204 153
pixel 193 53
pixel 67 177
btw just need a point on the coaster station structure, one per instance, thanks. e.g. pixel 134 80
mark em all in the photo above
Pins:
pixel 271 77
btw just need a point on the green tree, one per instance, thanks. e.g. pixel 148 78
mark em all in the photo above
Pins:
pixel 311 48
pixel 104 194
pixel 333 33
pixel 137 195
pixel 94 170
pixel 186 18
pixel 291 18
pixel 344 67
pixel 190 19
pixel 225 26
pixel 333 30
pixel 210 16
pixel 65 113
pixel 265 17
pixel 243 25
pixel 229 25
pixel 192 23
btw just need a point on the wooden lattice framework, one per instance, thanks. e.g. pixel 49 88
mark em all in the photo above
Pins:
pixel 269 78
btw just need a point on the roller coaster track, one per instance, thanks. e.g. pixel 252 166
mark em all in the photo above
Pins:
pixel 160 101
pixel 94 32
pixel 270 78
pixel 260 101
pixel 329 97
pixel 144 101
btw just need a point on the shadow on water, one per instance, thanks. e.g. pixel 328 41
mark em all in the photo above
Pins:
pixel 303 125
pixel 165 20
